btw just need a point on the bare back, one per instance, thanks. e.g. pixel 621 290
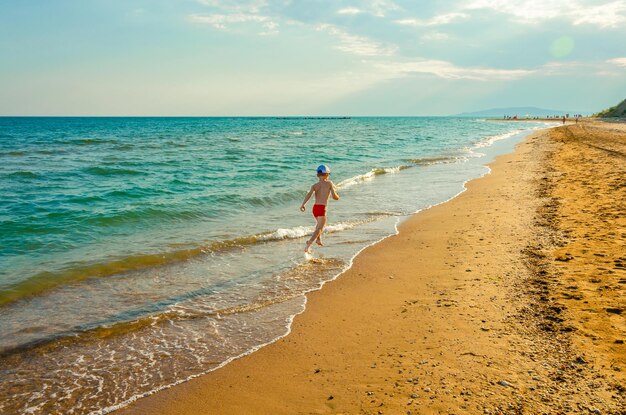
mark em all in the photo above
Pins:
pixel 322 190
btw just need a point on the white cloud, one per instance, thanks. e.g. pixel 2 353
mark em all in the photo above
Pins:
pixel 618 61
pixel 575 68
pixel 350 10
pixel 271 28
pixel 241 6
pixel 438 20
pixel 560 68
pixel 608 15
pixel 434 37
pixel 448 70
pixel 357 45
pixel 531 10
pixel 222 21
pixel 378 8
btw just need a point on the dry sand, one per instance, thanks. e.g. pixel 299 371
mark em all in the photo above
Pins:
pixel 508 299
pixel 587 214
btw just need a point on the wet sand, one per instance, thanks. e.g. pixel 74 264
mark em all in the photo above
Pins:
pixel 508 299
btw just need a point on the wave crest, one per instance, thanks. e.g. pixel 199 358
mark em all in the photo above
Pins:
pixel 370 175
pixel 492 139
pixel 427 161
pixel 111 171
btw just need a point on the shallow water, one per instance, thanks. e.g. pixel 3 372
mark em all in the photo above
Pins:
pixel 139 252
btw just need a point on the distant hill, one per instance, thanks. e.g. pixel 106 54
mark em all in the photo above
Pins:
pixel 519 111
pixel 617 111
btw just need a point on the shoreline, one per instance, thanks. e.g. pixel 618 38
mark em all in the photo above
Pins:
pixel 398 223
pixel 163 348
pixel 360 338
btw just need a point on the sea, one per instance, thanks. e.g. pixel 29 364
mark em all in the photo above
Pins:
pixel 138 253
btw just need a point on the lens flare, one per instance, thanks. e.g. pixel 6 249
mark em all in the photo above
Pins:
pixel 562 47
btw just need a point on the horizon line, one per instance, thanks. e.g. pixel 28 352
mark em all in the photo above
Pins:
pixel 336 117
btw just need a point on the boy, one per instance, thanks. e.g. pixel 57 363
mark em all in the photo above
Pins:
pixel 323 189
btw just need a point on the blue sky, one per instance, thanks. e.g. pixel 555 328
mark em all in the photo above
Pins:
pixel 316 57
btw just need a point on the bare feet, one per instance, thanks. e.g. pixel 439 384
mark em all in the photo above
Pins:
pixel 319 242
pixel 308 247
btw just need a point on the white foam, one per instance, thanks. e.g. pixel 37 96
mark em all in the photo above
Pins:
pixel 301 231
pixel 344 184
pixel 369 176
pixel 341 226
pixel 489 141
pixel 492 139
pixel 385 170
pixel 286 233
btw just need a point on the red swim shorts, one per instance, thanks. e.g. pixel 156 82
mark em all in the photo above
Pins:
pixel 319 210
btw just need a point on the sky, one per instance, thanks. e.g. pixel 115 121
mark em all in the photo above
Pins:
pixel 314 57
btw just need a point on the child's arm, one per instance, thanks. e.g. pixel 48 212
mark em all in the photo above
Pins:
pixel 307 197
pixel 333 192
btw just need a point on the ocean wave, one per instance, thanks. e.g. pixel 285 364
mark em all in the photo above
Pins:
pixel 488 141
pixel 49 152
pixel 132 207
pixel 111 171
pixel 88 199
pixel 93 141
pixel 369 176
pixel 427 161
pixel 132 193
pixel 141 214
pixel 86 211
pixel 275 198
pixel 24 174
pixel 302 231
pixel 186 307
pixel 49 280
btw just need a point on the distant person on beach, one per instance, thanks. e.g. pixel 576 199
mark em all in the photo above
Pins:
pixel 564 119
pixel 323 189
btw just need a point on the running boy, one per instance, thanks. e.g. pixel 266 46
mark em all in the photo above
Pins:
pixel 323 189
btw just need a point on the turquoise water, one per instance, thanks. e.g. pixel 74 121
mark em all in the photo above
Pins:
pixel 175 244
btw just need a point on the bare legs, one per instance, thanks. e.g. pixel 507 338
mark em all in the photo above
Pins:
pixel 317 234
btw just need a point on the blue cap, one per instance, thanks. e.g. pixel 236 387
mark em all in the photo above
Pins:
pixel 323 169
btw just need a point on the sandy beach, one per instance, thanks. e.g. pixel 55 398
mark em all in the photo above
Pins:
pixel 508 299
